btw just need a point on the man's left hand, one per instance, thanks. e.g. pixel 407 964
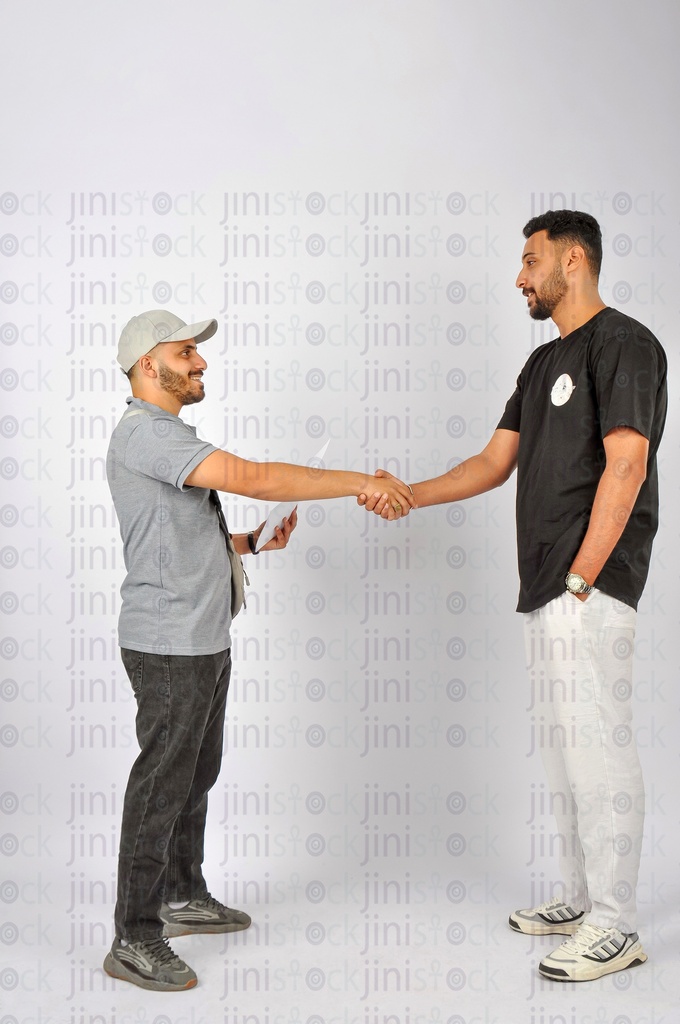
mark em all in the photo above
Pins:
pixel 281 535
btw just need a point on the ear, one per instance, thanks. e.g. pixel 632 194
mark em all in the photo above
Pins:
pixel 146 366
pixel 573 258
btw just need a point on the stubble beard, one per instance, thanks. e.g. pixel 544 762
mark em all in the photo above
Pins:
pixel 179 386
pixel 553 290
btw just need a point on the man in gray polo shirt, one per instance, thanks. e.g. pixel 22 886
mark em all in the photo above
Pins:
pixel 174 634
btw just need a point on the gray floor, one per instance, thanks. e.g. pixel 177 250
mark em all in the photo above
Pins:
pixel 332 944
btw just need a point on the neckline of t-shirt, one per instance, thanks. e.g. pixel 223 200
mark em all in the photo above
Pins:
pixel 574 334
pixel 148 407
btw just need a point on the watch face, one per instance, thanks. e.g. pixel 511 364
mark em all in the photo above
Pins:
pixel 574 582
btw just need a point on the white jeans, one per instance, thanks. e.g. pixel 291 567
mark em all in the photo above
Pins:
pixel 580 659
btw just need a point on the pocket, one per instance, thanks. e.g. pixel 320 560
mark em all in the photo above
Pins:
pixel 588 598
pixel 620 616
pixel 133 662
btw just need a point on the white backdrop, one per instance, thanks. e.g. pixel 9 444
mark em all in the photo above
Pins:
pixel 343 186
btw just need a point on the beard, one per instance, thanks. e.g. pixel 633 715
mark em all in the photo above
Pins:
pixel 553 290
pixel 184 389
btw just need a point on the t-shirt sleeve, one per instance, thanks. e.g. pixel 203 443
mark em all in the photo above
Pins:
pixel 164 450
pixel 510 419
pixel 627 370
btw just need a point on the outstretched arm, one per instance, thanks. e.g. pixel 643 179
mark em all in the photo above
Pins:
pixel 482 472
pixel 281 481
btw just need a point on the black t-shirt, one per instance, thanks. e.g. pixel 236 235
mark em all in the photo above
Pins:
pixel 571 392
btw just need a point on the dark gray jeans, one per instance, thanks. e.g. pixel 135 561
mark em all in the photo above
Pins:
pixel 181 703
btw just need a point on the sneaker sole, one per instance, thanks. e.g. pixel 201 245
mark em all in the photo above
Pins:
pixel 635 958
pixel 117 970
pixel 539 928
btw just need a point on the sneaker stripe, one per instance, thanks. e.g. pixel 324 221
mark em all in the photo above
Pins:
pixel 559 916
pixel 193 915
pixel 603 953
pixel 135 959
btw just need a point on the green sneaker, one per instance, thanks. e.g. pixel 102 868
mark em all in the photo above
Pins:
pixel 204 916
pixel 149 963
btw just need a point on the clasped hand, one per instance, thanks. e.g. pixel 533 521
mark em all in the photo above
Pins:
pixel 394 501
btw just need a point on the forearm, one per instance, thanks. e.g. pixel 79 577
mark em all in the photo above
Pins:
pixel 480 473
pixel 282 481
pixel 278 481
pixel 474 476
pixel 614 501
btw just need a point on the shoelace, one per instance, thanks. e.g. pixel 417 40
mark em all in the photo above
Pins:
pixel 585 938
pixel 160 951
pixel 210 903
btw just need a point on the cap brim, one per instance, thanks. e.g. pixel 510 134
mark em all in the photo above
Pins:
pixel 199 332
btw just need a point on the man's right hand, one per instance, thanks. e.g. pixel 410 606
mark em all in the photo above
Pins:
pixel 394 501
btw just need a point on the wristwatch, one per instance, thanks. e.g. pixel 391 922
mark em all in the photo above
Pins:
pixel 576 584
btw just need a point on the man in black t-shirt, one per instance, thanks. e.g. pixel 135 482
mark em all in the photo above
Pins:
pixel 582 429
pixel 606 376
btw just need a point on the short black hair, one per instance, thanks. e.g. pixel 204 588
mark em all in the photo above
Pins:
pixel 573 228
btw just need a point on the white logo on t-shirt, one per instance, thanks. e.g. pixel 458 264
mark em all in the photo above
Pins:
pixel 562 389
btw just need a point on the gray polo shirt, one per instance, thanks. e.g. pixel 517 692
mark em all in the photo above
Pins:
pixel 177 592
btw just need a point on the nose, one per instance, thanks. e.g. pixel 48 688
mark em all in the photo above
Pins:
pixel 200 362
pixel 521 279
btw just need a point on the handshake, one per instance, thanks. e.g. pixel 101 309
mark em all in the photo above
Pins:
pixel 394 501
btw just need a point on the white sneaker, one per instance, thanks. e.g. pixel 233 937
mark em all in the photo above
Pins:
pixel 591 953
pixel 554 917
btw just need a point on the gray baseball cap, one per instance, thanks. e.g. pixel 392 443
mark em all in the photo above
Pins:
pixel 149 329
